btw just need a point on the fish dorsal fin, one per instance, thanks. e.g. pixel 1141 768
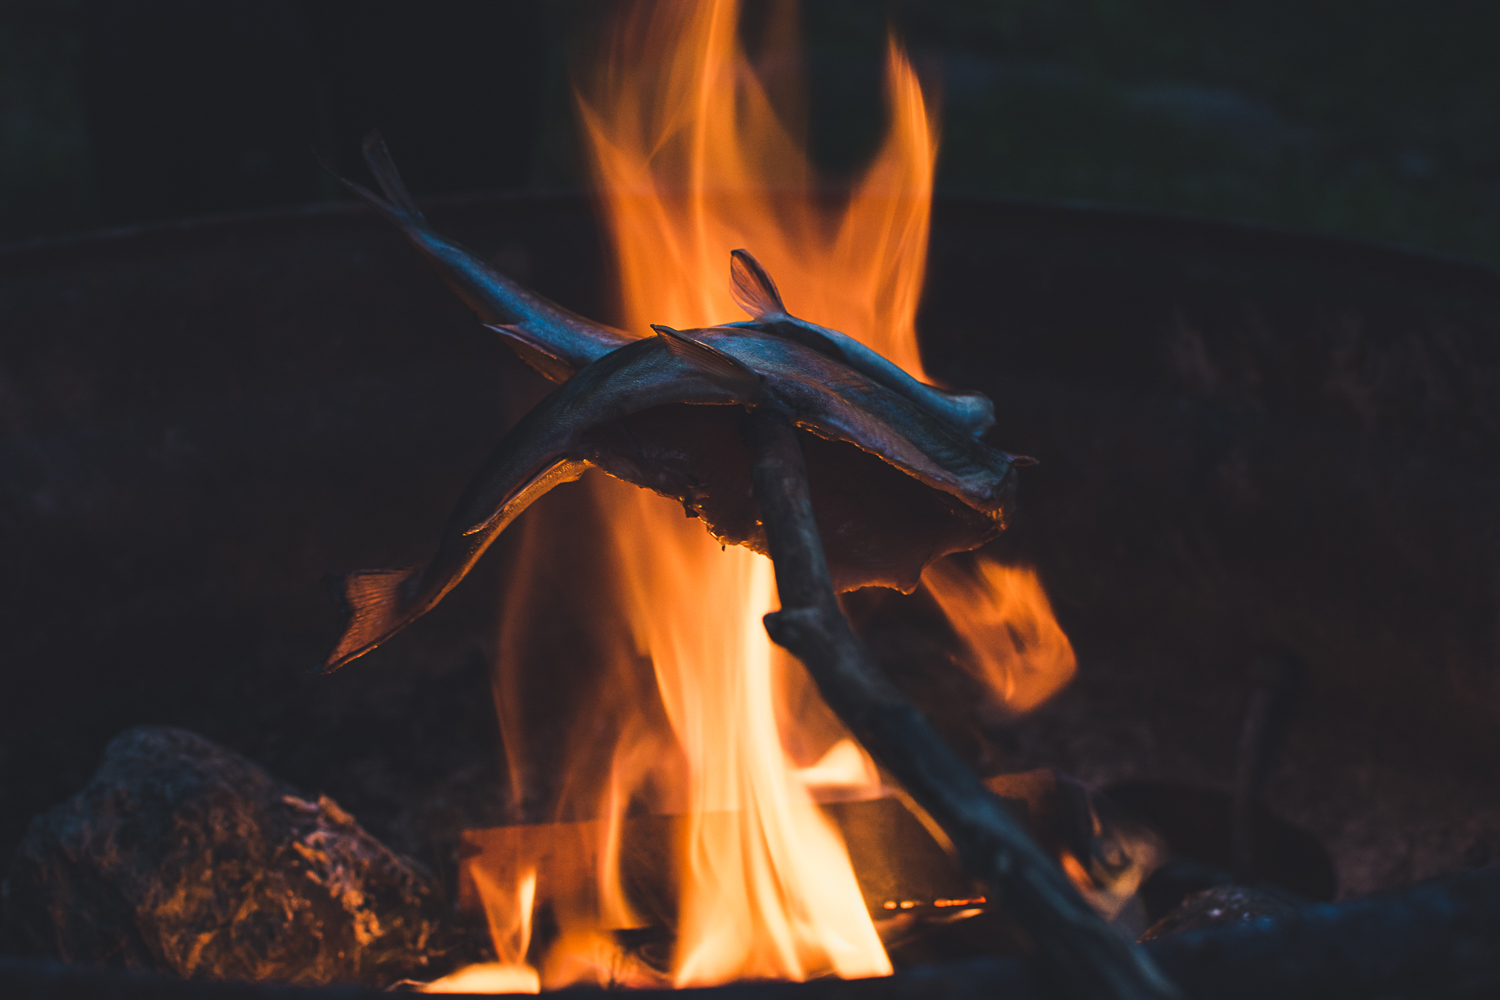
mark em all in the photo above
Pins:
pixel 753 289
pixel 384 168
pixel 727 373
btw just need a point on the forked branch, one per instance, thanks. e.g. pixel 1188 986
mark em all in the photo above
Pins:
pixel 1080 955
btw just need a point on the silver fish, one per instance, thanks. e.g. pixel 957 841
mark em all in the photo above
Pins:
pixel 665 412
pixel 558 342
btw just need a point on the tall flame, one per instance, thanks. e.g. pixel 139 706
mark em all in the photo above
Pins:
pixel 691 161
pixel 767 890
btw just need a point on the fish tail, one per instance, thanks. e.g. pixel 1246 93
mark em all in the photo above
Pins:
pixel 384 168
pixel 396 215
pixel 376 603
pixel 397 206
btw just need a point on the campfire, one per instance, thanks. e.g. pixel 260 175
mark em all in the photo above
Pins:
pixel 753 555
pixel 693 789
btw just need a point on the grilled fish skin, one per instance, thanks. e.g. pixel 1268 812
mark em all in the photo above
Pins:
pixel 898 475
pixel 911 489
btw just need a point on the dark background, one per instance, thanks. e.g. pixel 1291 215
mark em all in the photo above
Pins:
pixel 1377 118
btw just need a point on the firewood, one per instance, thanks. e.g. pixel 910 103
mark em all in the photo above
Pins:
pixel 1078 952
pixel 902 869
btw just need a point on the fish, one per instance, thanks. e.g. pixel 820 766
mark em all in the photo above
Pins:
pixel 558 342
pixel 756 293
pixel 551 339
pixel 894 484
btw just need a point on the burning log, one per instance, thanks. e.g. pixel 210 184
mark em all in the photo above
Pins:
pixel 903 870
pixel 181 856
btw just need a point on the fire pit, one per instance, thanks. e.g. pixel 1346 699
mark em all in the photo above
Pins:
pixel 1257 449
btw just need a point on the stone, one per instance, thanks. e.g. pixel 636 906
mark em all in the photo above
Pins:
pixel 181 856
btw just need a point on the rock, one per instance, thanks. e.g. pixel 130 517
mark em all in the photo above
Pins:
pixel 181 856
pixel 1223 904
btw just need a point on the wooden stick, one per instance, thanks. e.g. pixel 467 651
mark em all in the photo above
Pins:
pixel 1082 956
pixel 1274 674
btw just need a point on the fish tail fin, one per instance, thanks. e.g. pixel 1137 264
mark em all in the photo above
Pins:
pixel 489 293
pixel 726 372
pixel 375 601
pixel 378 157
pixel 393 213
pixel 753 289
pixel 397 206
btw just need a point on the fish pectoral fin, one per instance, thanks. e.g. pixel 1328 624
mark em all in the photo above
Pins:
pixel 414 228
pixel 728 373
pixel 376 602
pixel 752 287
pixel 384 168
pixel 535 351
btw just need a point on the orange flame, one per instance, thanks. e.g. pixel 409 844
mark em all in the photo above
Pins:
pixel 767 890
pixel 693 162
pixel 697 713
pixel 1016 648
pixel 509 916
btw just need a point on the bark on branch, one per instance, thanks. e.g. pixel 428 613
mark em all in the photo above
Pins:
pixel 1077 951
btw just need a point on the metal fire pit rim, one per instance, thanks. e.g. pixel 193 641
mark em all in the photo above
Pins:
pixel 1248 234
pixel 189 224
